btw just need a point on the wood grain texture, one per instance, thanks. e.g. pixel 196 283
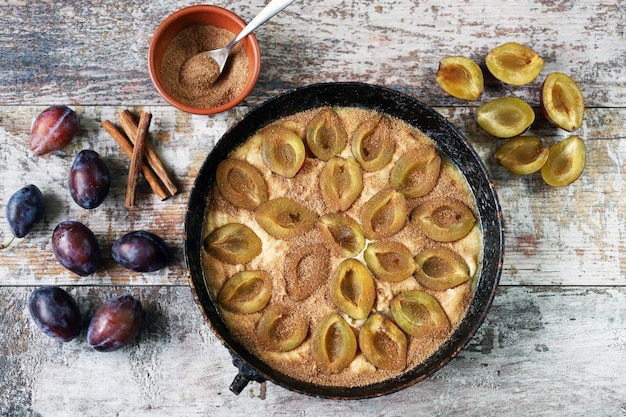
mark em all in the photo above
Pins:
pixel 554 340
pixel 95 53
pixel 554 236
pixel 546 351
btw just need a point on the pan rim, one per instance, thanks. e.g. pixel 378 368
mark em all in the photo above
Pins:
pixel 395 103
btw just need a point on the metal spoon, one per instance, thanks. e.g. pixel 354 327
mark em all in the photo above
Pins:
pixel 273 7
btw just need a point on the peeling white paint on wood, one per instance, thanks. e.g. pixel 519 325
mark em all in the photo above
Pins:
pixel 96 52
pixel 554 236
pixel 541 351
pixel 554 341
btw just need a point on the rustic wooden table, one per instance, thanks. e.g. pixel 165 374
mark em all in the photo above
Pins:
pixel 554 341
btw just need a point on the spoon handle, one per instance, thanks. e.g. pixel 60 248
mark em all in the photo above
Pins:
pixel 272 8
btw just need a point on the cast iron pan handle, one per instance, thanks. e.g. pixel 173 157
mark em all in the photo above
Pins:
pixel 245 375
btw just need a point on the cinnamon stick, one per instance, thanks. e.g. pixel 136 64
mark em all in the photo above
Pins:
pixel 129 126
pixel 136 159
pixel 126 146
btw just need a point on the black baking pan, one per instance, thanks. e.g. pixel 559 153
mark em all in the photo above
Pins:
pixel 450 142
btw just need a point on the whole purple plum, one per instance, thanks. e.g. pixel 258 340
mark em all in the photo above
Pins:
pixel 76 247
pixel 140 251
pixel 89 179
pixel 25 209
pixel 55 313
pixel 54 128
pixel 115 323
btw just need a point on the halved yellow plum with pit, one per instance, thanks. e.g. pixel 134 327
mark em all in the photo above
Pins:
pixel 389 260
pixel 341 183
pixel 419 314
pixel 443 219
pixel 284 218
pixel 246 292
pixel 460 77
pixel 333 344
pixel 241 183
pixel 233 243
pixel 384 214
pixel 280 329
pixel 325 135
pixel 352 289
pixel 440 268
pixel 373 143
pixel 383 344
pixel 282 150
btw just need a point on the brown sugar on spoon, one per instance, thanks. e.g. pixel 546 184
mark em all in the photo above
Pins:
pixel 194 79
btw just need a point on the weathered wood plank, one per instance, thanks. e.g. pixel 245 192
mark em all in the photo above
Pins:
pixel 541 352
pixel 96 53
pixel 181 140
pixel 570 235
pixel 554 340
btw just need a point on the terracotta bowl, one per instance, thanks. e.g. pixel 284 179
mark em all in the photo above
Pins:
pixel 201 15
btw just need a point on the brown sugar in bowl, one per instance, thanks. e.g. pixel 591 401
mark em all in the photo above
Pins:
pixel 202 15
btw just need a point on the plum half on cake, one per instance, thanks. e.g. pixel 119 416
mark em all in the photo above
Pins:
pixel 340 245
